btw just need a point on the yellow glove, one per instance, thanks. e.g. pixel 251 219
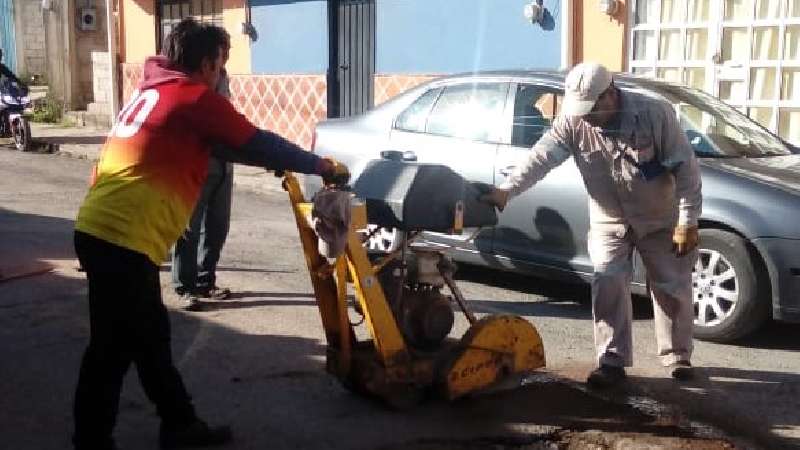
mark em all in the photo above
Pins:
pixel 333 172
pixel 684 239
pixel 497 197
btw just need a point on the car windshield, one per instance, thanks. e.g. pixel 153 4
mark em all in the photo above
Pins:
pixel 717 130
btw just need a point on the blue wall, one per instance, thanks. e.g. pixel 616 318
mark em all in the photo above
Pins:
pixel 292 36
pixel 413 36
pixel 441 36
pixel 7 40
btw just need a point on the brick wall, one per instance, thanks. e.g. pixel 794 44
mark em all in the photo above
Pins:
pixel 387 86
pixel 289 105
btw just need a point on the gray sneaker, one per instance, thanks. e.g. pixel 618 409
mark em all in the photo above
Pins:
pixel 190 302
pixel 213 292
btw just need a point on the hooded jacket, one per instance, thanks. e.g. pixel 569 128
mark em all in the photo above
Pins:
pixel 155 160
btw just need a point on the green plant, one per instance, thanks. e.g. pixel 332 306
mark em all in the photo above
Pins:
pixel 48 110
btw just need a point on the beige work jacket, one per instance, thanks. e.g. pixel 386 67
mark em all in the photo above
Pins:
pixel 639 171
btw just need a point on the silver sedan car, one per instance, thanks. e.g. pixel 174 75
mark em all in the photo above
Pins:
pixel 482 124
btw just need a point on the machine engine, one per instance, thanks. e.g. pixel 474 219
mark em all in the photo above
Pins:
pixel 413 288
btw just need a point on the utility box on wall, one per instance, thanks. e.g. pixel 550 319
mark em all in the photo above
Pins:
pixel 88 19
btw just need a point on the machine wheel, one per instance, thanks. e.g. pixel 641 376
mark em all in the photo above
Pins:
pixel 21 132
pixel 385 240
pixel 730 288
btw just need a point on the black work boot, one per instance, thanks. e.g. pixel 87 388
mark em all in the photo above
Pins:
pixel 195 434
pixel 681 370
pixel 605 376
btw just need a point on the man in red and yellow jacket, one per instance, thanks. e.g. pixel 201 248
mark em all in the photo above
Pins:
pixel 143 190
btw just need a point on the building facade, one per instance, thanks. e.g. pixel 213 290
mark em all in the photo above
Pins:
pixel 745 52
pixel 63 43
pixel 297 62
pixel 294 63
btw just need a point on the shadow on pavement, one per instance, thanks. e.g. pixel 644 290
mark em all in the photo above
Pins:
pixel 167 267
pixel 28 240
pixel 774 336
pixel 272 387
pixel 556 298
pixel 760 402
pixel 268 295
pixel 254 269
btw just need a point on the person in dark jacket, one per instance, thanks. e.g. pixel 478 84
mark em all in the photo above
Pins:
pixel 198 249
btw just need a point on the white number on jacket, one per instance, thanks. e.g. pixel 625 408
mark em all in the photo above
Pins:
pixel 142 103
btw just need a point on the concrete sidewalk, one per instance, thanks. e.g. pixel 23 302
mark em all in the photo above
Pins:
pixel 86 142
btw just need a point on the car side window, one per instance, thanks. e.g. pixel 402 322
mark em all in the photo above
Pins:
pixel 469 111
pixel 535 107
pixel 415 116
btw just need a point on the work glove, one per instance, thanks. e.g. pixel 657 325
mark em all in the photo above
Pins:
pixel 333 172
pixel 496 197
pixel 684 239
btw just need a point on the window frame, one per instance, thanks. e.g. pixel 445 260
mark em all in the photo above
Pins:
pixel 498 136
pixel 216 18
pixel 717 72
pixel 556 90
pixel 439 88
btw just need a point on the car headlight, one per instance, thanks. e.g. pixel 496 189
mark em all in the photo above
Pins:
pixel 8 99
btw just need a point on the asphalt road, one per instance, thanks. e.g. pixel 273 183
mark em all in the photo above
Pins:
pixel 257 360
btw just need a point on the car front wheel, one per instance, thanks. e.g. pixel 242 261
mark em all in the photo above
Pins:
pixel 730 290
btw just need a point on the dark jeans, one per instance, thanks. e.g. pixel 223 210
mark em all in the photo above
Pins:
pixel 196 253
pixel 129 324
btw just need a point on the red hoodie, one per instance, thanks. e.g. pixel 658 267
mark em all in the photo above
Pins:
pixel 155 159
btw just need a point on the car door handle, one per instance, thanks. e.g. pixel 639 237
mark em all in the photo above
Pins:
pixel 409 156
pixel 397 155
pixel 507 171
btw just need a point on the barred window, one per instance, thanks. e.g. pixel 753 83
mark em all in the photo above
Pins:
pixel 173 11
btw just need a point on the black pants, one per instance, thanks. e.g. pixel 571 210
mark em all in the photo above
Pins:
pixel 129 324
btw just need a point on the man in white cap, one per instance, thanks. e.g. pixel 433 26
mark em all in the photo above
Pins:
pixel 643 183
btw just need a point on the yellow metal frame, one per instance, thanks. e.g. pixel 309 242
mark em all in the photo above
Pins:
pixel 330 287
pixel 492 348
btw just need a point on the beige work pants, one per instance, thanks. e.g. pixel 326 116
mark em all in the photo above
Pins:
pixel 670 280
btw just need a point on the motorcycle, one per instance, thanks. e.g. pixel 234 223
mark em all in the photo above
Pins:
pixel 13 101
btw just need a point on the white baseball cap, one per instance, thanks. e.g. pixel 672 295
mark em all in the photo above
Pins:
pixel 583 86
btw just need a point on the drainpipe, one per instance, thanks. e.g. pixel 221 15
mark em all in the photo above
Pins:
pixel 567 34
pixel 111 31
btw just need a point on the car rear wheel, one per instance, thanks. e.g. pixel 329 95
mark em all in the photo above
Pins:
pixel 730 289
